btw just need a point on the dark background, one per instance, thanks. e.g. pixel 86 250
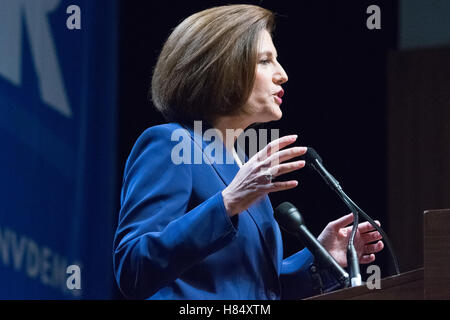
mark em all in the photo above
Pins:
pixel 374 103
pixel 335 98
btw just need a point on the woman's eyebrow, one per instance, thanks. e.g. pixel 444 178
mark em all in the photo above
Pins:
pixel 267 53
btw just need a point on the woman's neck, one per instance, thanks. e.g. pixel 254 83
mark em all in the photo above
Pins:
pixel 230 128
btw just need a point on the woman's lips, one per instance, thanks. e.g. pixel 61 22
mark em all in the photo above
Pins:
pixel 278 96
pixel 278 99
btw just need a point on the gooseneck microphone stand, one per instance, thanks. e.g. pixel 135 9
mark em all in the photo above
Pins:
pixel 352 257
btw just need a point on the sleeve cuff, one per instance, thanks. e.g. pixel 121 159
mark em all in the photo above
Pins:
pixel 231 221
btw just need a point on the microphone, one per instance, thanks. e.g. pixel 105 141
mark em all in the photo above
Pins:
pixel 314 161
pixel 290 219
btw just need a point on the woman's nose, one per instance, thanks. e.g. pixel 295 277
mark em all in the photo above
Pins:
pixel 280 75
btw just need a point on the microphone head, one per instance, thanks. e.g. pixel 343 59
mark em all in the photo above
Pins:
pixel 311 156
pixel 288 217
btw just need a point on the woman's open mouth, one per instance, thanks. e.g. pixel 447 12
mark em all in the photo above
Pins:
pixel 278 96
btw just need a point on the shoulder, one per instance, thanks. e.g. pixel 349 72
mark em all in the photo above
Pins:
pixel 154 145
pixel 162 131
pixel 158 137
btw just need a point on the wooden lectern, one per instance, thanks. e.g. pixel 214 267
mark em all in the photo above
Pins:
pixel 430 282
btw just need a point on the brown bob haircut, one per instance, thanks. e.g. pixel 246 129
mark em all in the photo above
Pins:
pixel 207 66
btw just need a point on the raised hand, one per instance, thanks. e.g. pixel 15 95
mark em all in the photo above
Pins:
pixel 254 179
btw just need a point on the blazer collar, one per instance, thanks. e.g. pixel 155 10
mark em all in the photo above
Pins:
pixel 223 163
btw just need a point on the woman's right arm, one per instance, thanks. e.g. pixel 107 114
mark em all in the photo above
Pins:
pixel 157 239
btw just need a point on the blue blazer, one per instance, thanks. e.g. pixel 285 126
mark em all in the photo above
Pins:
pixel 174 239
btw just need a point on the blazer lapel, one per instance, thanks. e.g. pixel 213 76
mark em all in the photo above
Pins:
pixel 262 214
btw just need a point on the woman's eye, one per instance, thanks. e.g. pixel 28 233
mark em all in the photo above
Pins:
pixel 265 61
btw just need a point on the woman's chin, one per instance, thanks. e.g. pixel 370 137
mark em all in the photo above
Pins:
pixel 274 115
pixel 281 114
pixel 277 114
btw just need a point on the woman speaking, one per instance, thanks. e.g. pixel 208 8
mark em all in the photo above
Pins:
pixel 205 229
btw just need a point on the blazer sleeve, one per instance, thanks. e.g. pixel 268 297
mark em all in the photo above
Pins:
pixel 296 280
pixel 156 238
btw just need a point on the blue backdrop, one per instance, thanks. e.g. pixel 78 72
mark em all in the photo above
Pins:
pixel 57 138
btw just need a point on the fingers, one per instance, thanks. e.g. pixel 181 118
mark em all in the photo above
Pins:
pixel 363 227
pixel 275 146
pixel 371 237
pixel 276 186
pixel 367 227
pixel 369 252
pixel 269 158
pixel 281 156
pixel 279 186
pixel 368 258
pixel 254 180
pixel 342 221
pixel 373 248
pixel 286 167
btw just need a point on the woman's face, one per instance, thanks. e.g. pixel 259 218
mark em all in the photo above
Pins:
pixel 264 102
